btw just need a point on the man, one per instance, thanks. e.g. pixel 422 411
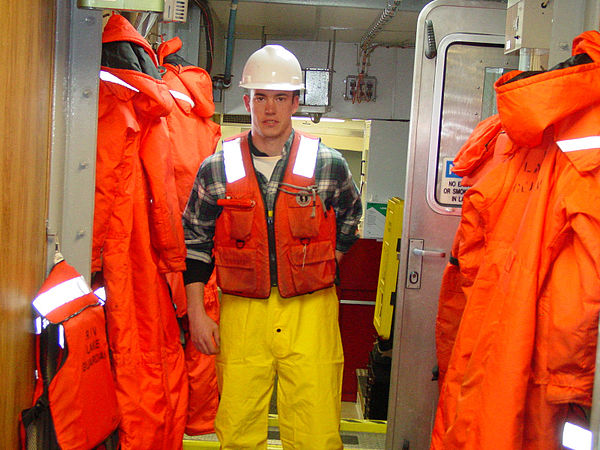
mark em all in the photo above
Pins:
pixel 279 209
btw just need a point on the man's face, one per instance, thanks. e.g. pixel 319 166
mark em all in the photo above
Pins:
pixel 271 112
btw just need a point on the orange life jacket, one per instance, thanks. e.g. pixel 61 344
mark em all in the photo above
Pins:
pixel 74 379
pixel 302 231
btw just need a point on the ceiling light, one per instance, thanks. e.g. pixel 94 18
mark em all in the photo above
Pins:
pixel 323 119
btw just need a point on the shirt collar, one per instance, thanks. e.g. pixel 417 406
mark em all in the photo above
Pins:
pixel 286 147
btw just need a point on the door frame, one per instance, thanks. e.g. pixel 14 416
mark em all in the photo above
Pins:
pixel 413 394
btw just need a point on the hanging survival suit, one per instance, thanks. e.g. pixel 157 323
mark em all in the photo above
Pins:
pixel 138 238
pixel 75 403
pixel 193 136
pixel 302 231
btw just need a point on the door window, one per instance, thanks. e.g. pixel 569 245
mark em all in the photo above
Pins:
pixel 463 96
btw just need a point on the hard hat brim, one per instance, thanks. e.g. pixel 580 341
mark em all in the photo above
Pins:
pixel 273 86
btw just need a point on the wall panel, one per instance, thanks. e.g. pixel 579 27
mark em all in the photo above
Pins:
pixel 25 99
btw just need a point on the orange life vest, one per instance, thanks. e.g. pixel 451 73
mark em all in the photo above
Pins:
pixel 74 379
pixel 302 232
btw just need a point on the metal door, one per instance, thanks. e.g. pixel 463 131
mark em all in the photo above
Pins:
pixel 452 92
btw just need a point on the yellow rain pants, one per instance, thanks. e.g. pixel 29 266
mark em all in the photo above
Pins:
pixel 299 339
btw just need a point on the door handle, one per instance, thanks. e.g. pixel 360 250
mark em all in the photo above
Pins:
pixel 428 252
pixel 414 267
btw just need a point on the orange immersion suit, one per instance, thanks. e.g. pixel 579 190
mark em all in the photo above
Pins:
pixel 138 237
pixel 525 348
pixel 194 136
pixel 472 161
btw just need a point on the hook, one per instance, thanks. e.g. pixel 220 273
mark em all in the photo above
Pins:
pixel 58 257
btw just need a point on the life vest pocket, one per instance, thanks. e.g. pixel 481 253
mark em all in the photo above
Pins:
pixel 312 266
pixel 238 216
pixel 305 221
pixel 236 269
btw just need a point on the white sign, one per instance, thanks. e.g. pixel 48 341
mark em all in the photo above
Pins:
pixel 375 220
pixel 451 191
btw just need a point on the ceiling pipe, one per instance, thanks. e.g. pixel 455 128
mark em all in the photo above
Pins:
pixel 387 14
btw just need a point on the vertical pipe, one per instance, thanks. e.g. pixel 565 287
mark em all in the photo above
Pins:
pixel 229 51
pixel 263 38
pixel 330 65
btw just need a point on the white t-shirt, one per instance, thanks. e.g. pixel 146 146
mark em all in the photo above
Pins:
pixel 266 164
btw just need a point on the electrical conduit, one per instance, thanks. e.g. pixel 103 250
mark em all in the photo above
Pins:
pixel 230 38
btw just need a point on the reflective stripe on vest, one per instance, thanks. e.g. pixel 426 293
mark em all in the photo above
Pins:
pixel 307 157
pixel 584 143
pixel 110 78
pixel 182 96
pixel 232 155
pixel 101 294
pixel 60 295
pixel 304 166
pixel 41 324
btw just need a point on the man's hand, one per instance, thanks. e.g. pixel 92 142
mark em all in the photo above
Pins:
pixel 204 330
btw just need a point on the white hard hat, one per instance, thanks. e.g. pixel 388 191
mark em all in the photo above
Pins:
pixel 272 67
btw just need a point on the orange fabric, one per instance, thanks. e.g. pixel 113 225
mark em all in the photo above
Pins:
pixel 475 157
pixel 451 304
pixel 204 392
pixel 81 393
pixel 243 269
pixel 193 136
pixel 472 162
pixel 305 245
pixel 305 237
pixel 138 237
pixel 526 343
pixel 587 42
pixel 168 48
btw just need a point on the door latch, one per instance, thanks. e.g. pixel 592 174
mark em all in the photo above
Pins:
pixel 414 268
pixel 415 264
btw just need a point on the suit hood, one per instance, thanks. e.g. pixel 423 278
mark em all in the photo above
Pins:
pixel 588 42
pixel 191 80
pixel 530 102
pixel 119 29
pixel 129 58
pixel 478 148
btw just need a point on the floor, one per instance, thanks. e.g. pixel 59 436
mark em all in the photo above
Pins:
pixel 355 432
